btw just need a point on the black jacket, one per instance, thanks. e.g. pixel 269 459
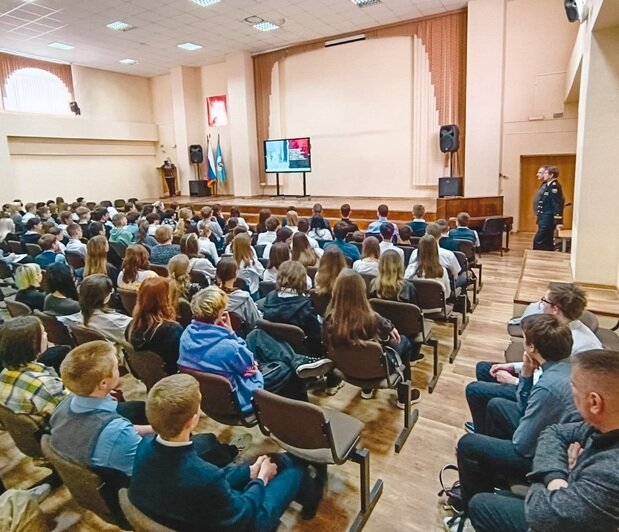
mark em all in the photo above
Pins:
pixel 163 340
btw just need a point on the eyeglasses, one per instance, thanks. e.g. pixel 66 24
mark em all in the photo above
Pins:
pixel 544 300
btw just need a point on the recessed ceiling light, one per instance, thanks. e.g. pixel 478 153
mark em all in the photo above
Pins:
pixel 119 25
pixel 60 46
pixel 253 20
pixel 206 3
pixel 128 61
pixel 265 25
pixel 365 3
pixel 189 46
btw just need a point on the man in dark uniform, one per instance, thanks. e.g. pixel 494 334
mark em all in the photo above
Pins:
pixel 548 207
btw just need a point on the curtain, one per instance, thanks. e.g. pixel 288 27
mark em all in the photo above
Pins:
pixel 10 63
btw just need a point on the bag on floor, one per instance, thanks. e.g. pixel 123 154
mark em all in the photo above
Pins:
pixel 452 493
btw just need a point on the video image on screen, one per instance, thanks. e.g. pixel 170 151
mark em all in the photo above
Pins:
pixel 287 155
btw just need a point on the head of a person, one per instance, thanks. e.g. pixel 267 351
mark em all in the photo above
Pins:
pixel 227 269
pixel 241 249
pixel 132 217
pixel 49 242
pixel 100 215
pixel 235 212
pixel 28 276
pixel 96 256
pixel 178 267
pixel 22 340
pixel 60 279
pixel 292 276
pixel 390 276
pixel 359 236
pixel 185 214
pixel 96 229
pixel 153 218
pixel 95 293
pixel 66 217
pixel 231 224
pixel 34 224
pixel 263 215
pixel 30 207
pixel 217 209
pixel 91 368
pixel 300 245
pixel 565 300
pixel 552 172
pixel 317 209
pixel 119 219
pixel 173 405
pixel 292 218
pixel 136 259
pixel 429 266
pixel 44 213
pixel 370 248
pixel 209 304
pixel 303 225
pixel 204 229
pixel 386 231
pixel 190 245
pixel 206 212
pixel 156 303
pixel 331 264
pixel 405 233
pixel 463 219
pixel 382 210
pixel 6 226
pixel 541 172
pixel 284 234
pixel 444 225
pixel 547 335
pixel 345 210
pixel 163 234
pixel 434 231
pixel 418 211
pixel 75 231
pixel 278 254
pixel 83 213
pixel 595 387
pixel 271 223
pixel 340 230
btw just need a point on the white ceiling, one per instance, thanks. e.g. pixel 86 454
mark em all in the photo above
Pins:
pixel 28 27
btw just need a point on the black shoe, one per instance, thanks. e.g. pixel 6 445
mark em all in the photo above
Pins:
pixel 313 367
pixel 311 497
pixel 415 398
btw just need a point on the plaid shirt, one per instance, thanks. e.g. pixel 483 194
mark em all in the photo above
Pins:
pixel 34 389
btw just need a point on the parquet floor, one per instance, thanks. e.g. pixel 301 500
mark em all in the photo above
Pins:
pixel 409 501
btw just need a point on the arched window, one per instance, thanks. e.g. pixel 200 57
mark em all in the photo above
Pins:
pixel 34 90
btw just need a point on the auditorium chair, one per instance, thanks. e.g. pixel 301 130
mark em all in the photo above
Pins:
pixel 320 436
pixel 160 270
pixel 118 248
pixel 264 262
pixel 146 366
pixel 16 247
pixel 319 301
pixel 284 332
pixel 74 259
pixel 408 251
pixel 218 399
pixel 408 320
pixel 311 272
pixel 265 287
pixel 431 300
pixel 33 249
pixel 25 432
pixel 471 280
pixel 57 332
pixel 119 204
pixel 128 298
pixel 199 277
pixel 366 366
pixel 139 521
pixel 491 234
pixel 82 334
pixel 368 278
pixel 467 247
pixel 184 312
pixel 16 308
pixel 260 249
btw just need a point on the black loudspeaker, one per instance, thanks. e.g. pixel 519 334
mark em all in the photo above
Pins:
pixel 199 188
pixel 572 10
pixel 195 154
pixel 449 186
pixel 449 138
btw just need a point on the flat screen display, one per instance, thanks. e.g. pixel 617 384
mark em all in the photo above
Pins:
pixel 287 155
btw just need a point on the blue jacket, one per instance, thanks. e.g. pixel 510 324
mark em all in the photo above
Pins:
pixel 463 233
pixel 349 250
pixel 214 349
pixel 48 257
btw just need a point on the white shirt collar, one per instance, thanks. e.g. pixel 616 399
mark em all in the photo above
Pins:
pixel 167 443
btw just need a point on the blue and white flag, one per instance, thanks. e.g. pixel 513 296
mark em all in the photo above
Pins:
pixel 220 168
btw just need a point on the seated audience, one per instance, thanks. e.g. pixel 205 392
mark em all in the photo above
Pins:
pixel 216 214
pixel 302 252
pixel 61 298
pixel 34 230
pixel 386 232
pixel 283 234
pixel 28 279
pixel 382 213
pixel 206 246
pixel 178 271
pixel 446 257
pixel 444 241
pixel 190 248
pixel 404 238
pixel 370 253
pixel 119 233
pixel 142 237
pixel 154 221
pixel 390 282
pixel 27 386
pixel 304 227
pixel 164 250
pixel 75 244
pixel 418 225
pixel 60 237
pixel 236 213
pixel 292 220
pixel 31 212
pixel 83 218
pixel 349 250
pixel 263 216
pixel 574 473
pixel 185 223
pixel 173 486
pixel 331 264
pixel 343 327
pixel 96 260
pixel 268 235
pixel 278 254
pixel 250 268
pixel 345 212
pixel 135 268
pixel 97 229
pixel 51 253
pixel 95 294
pixel 462 231
pixel 427 264
pixel 239 301
pixel 154 326
pixel 132 220
pixel 318 223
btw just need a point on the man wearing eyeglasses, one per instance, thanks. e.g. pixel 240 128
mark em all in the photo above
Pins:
pixel 548 207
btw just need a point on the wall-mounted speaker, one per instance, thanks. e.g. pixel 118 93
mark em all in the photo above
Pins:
pixel 449 138
pixel 195 154
pixel 449 186
pixel 576 10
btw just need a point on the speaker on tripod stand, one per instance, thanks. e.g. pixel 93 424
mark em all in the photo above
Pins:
pixel 449 142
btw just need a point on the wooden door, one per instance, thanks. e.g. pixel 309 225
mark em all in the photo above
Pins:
pixel 529 164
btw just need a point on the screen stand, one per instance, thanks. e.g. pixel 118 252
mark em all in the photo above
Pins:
pixel 278 195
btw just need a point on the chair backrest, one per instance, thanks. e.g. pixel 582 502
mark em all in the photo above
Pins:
pixel 467 247
pixel 128 298
pixel 119 248
pixel 91 205
pixel 184 312
pixel 218 399
pixel 15 247
pixel 264 262
pixel 259 249
pixel 33 249
pixel 160 270
pixel 264 287
pixel 296 423
pixel 590 320
pixel 83 334
pixel 368 278
pixel 363 361
pixel 348 261
pixel 24 431
pixel 320 302
pixel 146 366
pixel 57 333
pixel 82 482
pixel 494 225
pixel 312 271
pixel 464 264
pixel 408 251
pixel 237 323
pixel 74 259
pixel 16 308
pixel 283 332
pixel 119 204
pixel 200 277
pixel 430 295
pixel 5 271
pixel 406 317
pixel 139 521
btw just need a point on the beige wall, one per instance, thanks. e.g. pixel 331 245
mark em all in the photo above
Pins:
pixel 163 116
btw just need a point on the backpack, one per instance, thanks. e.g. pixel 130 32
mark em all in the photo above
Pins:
pixel 452 493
